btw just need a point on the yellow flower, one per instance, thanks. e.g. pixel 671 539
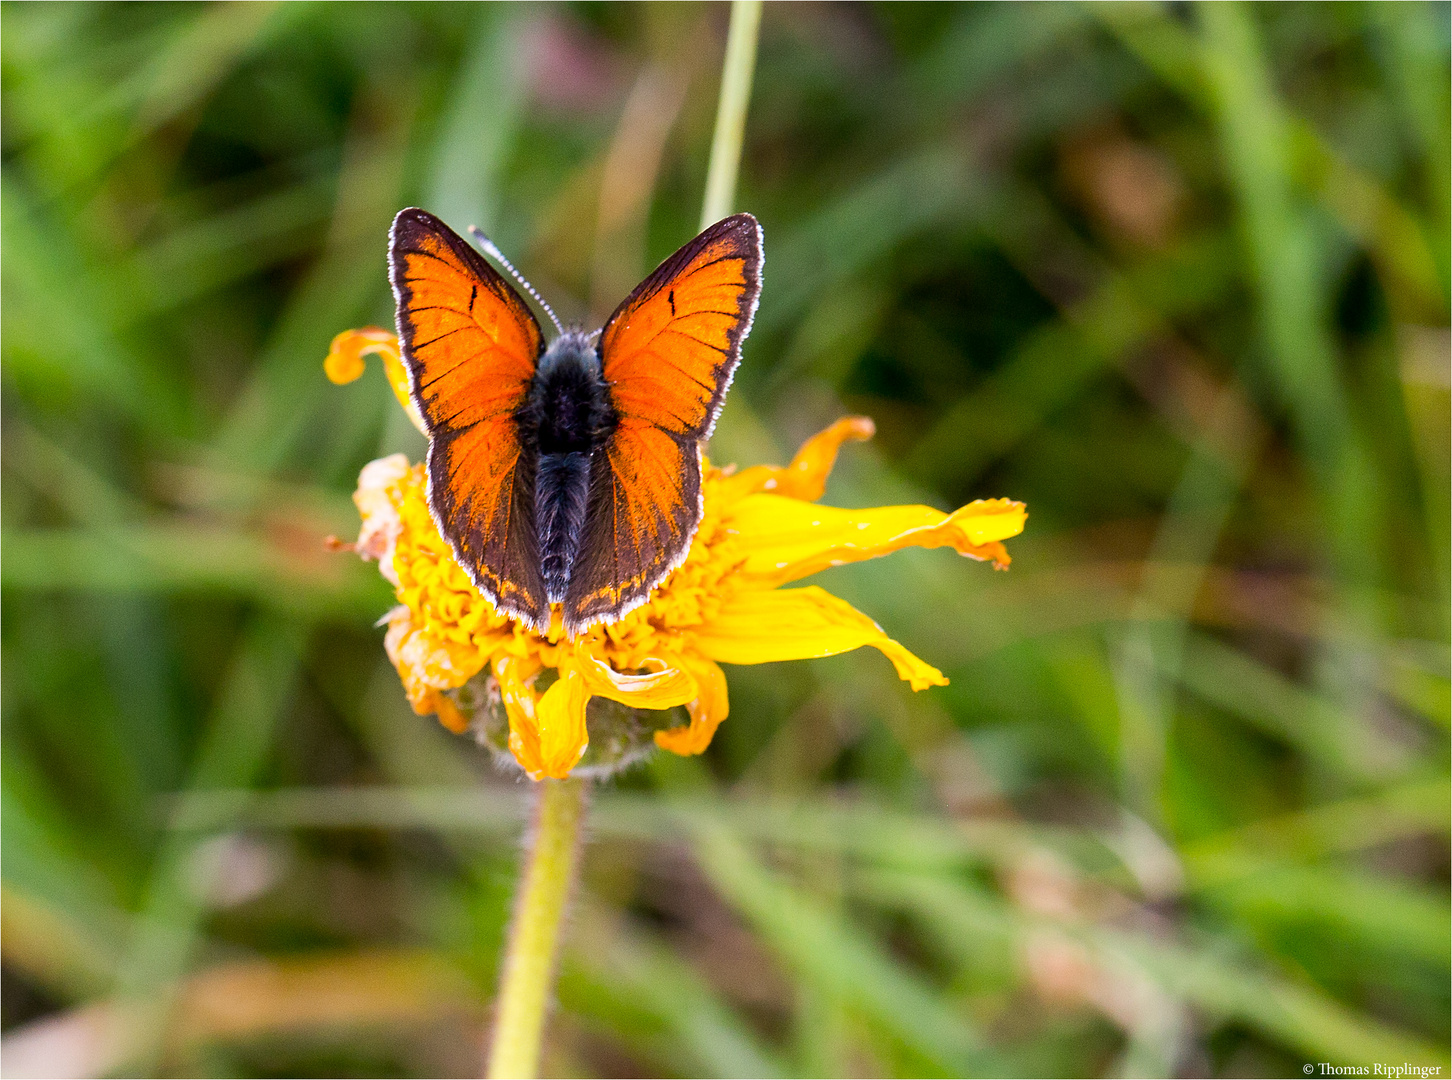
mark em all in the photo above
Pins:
pixel 762 529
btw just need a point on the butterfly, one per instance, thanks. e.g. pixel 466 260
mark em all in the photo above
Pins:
pixel 569 472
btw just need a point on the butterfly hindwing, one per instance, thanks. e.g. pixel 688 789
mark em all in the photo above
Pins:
pixel 668 353
pixel 471 347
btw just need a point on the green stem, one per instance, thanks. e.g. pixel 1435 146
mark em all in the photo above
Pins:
pixel 529 960
pixel 736 78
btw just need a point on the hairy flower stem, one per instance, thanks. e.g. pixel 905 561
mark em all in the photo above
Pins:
pixel 529 960
pixel 736 76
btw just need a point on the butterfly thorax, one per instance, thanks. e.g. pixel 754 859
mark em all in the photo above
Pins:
pixel 566 418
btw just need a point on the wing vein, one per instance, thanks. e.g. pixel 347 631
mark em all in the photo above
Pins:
pixel 415 346
pixel 447 371
pixel 430 255
pixel 441 307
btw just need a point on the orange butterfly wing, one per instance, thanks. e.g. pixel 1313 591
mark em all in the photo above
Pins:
pixel 669 352
pixel 471 346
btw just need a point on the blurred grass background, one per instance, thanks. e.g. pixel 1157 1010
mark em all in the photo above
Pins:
pixel 1175 276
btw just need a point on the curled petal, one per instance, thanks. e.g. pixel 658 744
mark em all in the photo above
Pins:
pixel 663 689
pixel 439 663
pixel 344 363
pixel 521 705
pixel 788 539
pixel 427 666
pixel 707 710
pixel 759 627
pixel 806 476
pixel 562 734
pixel 449 714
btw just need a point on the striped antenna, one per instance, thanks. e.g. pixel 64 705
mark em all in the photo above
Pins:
pixel 498 256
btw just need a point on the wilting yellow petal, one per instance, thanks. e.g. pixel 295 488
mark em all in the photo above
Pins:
pixel 438 663
pixel 759 627
pixel 344 363
pixel 427 666
pixel 663 689
pixel 382 524
pixel 448 713
pixel 787 539
pixel 521 706
pixel 806 476
pixel 562 734
pixel 707 710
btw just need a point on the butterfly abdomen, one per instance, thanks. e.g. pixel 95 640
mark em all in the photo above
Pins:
pixel 566 418
pixel 562 486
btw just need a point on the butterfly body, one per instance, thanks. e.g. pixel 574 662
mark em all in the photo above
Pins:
pixel 566 420
pixel 569 475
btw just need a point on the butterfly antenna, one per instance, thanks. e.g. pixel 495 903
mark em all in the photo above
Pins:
pixel 498 256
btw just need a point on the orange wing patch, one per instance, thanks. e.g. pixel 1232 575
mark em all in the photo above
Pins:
pixel 669 352
pixel 672 346
pixel 471 346
pixel 644 507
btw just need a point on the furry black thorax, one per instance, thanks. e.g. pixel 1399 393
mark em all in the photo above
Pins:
pixel 566 418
